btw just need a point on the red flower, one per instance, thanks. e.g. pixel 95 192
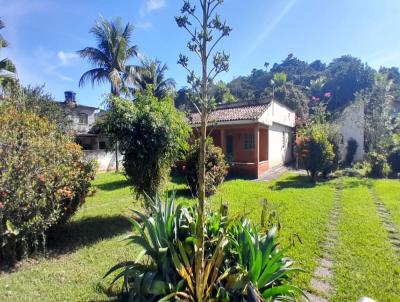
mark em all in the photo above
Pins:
pixel 327 94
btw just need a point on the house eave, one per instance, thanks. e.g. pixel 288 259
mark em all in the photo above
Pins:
pixel 228 123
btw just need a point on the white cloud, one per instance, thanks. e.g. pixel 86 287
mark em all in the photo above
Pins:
pixel 67 57
pixel 152 5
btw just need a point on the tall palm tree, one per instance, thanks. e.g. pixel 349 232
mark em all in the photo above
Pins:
pixel 7 68
pixel 111 56
pixel 153 73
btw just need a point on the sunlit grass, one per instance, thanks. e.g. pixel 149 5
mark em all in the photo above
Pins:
pixel 89 245
pixel 365 263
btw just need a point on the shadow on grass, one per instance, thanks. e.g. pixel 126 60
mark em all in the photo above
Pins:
pixel 295 181
pixel 85 232
pixel 114 185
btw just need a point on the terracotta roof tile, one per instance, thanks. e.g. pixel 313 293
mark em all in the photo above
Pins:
pixel 234 112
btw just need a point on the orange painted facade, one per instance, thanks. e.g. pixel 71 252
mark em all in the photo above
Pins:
pixel 245 147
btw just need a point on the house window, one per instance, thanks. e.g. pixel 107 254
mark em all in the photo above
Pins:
pixel 102 145
pixel 249 141
pixel 83 118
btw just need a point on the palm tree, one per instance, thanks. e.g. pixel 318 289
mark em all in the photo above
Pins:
pixel 111 56
pixel 153 73
pixel 7 68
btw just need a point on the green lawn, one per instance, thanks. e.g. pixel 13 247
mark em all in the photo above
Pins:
pixel 91 243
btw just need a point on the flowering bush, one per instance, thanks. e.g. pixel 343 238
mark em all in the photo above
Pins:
pixel 314 150
pixel 216 167
pixel 43 179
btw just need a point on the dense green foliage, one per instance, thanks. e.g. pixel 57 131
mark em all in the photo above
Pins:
pixel 377 164
pixel 241 264
pixel 151 133
pixel 43 178
pixel 315 151
pixel 216 167
pixel 152 73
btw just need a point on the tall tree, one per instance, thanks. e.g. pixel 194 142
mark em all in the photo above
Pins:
pixel 346 76
pixel 7 68
pixel 152 72
pixel 111 56
pixel 206 30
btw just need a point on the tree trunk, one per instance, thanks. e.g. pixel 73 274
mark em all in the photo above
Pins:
pixel 199 257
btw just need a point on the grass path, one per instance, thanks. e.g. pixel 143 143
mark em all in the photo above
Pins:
pixel 321 282
pixel 389 193
pixel 365 263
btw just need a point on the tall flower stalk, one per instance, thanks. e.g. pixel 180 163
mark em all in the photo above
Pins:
pixel 206 30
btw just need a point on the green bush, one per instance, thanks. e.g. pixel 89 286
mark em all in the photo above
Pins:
pixel 351 150
pixel 151 134
pixel 216 167
pixel 43 179
pixel 378 166
pixel 394 162
pixel 314 149
pixel 241 263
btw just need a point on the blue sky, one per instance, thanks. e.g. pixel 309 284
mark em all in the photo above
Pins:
pixel 44 35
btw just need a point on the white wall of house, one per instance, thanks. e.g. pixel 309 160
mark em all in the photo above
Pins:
pixel 279 145
pixel 351 123
pixel 278 113
pixel 105 160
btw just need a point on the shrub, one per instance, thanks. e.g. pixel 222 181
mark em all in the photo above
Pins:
pixel 151 133
pixel 43 179
pixel 314 150
pixel 216 167
pixel 378 166
pixel 394 162
pixel 334 138
pixel 241 263
pixel 351 150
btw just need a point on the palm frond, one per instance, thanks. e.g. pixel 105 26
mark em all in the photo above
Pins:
pixel 96 75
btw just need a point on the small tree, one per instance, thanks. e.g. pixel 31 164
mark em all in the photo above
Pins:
pixel 151 134
pixel 205 30
pixel 378 125
pixel 216 167
pixel 314 150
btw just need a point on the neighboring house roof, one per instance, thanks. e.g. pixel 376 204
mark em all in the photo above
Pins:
pixel 240 111
pixel 64 104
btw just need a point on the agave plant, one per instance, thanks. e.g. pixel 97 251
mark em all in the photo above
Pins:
pixel 241 264
pixel 263 270
pixel 157 278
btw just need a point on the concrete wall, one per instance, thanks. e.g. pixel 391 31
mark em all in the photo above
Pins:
pixel 105 160
pixel 278 113
pixel 73 116
pixel 280 145
pixel 351 124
